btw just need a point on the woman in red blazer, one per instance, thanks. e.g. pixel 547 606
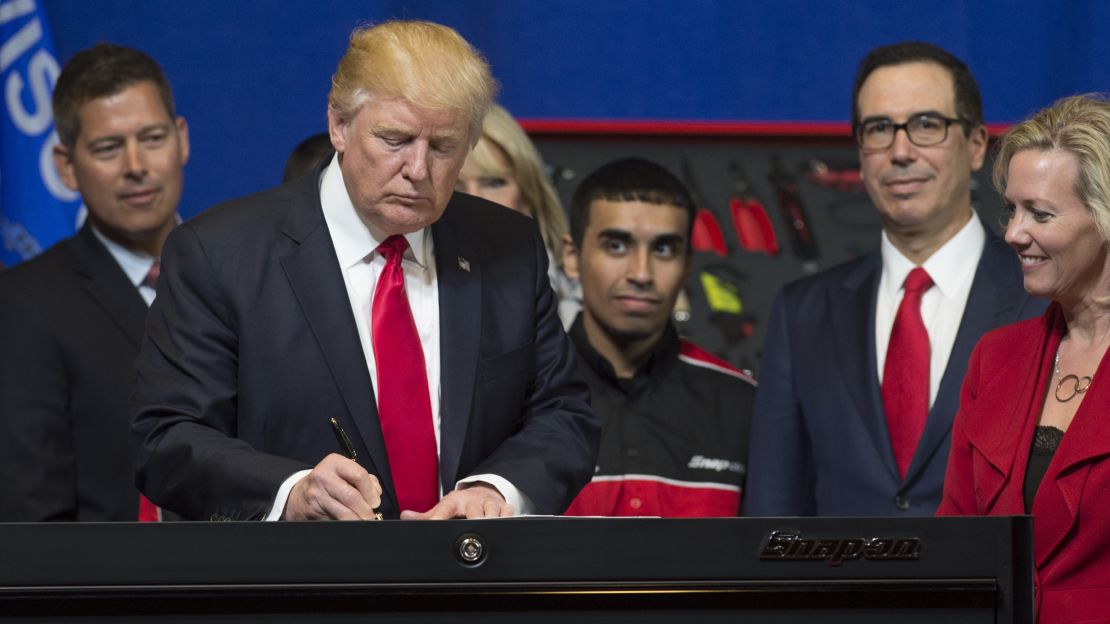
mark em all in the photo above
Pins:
pixel 1033 431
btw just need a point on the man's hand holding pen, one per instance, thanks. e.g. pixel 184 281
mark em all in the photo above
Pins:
pixel 338 488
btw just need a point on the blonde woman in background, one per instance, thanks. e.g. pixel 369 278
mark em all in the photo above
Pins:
pixel 506 168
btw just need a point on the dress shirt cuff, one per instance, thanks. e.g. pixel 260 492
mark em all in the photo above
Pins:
pixel 283 495
pixel 522 506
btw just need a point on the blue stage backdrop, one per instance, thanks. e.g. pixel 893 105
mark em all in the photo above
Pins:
pixel 252 76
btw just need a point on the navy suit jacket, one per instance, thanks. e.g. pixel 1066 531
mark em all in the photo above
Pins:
pixel 70 326
pixel 251 347
pixel 819 442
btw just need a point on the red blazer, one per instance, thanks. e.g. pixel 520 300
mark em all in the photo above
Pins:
pixel 1005 388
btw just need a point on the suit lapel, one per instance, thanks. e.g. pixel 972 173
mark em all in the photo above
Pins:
pixel 995 299
pixel 1015 392
pixel 853 321
pixel 317 282
pixel 107 284
pixel 459 273
pixel 1056 506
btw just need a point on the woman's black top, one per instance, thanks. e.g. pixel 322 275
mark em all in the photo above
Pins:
pixel 1045 442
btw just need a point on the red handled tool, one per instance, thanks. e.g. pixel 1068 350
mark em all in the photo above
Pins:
pixel 707 235
pixel 749 218
pixel 842 177
pixel 790 206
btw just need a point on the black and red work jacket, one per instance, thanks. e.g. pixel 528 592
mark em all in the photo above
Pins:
pixel 674 438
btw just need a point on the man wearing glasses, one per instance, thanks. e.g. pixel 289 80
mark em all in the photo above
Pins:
pixel 863 363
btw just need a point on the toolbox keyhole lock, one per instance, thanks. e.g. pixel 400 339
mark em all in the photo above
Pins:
pixel 470 549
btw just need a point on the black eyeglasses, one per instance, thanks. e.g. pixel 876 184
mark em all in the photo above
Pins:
pixel 923 130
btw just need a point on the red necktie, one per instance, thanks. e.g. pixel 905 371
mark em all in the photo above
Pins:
pixel 906 372
pixel 148 511
pixel 404 409
pixel 151 278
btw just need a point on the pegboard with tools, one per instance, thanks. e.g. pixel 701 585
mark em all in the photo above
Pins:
pixel 770 210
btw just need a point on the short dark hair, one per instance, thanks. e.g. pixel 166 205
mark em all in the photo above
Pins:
pixel 969 104
pixel 307 155
pixel 629 179
pixel 102 70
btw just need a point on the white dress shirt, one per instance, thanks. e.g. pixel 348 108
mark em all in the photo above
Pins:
pixel 135 264
pixel 952 268
pixel 356 243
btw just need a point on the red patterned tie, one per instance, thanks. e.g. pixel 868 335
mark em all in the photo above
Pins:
pixel 404 409
pixel 906 372
pixel 151 279
pixel 148 511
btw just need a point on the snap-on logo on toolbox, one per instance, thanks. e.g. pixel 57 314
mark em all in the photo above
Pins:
pixel 792 546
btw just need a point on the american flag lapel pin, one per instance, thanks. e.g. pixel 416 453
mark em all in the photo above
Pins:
pixel 464 264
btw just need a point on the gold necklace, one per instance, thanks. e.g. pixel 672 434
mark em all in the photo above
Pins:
pixel 1081 384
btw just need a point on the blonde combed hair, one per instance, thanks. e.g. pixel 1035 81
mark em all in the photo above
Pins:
pixel 1080 125
pixel 525 167
pixel 428 64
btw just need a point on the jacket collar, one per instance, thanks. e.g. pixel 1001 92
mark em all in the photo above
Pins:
pixel 1086 441
pixel 312 268
pixel 996 298
pixel 1005 439
pixel 661 359
pixel 105 282
pixel 459 265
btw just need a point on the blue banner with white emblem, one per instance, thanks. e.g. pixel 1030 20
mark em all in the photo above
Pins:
pixel 36 209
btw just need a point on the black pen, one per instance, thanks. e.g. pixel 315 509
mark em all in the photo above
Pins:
pixel 343 440
pixel 348 450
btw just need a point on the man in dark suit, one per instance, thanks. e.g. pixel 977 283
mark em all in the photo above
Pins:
pixel 862 364
pixel 71 319
pixel 281 311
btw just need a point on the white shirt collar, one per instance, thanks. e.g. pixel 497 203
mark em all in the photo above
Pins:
pixel 948 266
pixel 135 264
pixel 355 239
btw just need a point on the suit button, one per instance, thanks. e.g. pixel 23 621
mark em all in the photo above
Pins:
pixel 635 503
pixel 901 502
